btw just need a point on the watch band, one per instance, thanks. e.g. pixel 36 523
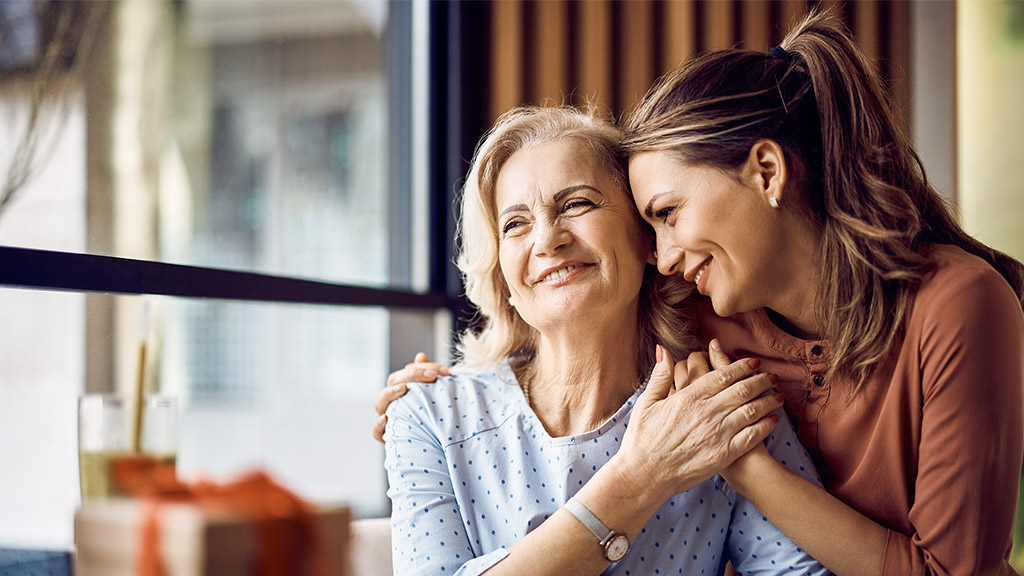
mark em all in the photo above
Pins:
pixel 614 546
pixel 596 527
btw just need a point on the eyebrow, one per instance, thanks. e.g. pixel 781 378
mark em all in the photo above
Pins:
pixel 649 209
pixel 558 198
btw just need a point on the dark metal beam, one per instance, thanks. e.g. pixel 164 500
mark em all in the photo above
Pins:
pixel 50 270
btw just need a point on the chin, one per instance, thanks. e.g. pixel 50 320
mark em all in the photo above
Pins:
pixel 723 308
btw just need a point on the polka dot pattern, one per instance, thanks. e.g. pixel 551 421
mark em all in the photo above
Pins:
pixel 472 470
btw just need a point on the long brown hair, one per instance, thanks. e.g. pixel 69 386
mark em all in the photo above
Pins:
pixel 858 177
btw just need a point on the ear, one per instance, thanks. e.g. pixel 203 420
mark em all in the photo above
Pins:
pixel 766 169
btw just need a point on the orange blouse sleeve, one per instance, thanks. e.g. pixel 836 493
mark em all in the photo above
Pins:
pixel 971 341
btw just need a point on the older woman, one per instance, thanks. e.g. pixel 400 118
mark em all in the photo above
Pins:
pixel 521 461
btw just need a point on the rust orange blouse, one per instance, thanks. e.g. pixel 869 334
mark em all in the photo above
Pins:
pixel 931 447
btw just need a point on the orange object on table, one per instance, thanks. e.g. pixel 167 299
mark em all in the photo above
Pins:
pixel 285 529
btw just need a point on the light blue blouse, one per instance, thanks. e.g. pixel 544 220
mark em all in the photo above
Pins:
pixel 472 470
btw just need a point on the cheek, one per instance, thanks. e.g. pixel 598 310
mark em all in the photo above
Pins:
pixel 508 264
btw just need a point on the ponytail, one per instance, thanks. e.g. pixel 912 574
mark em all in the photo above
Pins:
pixel 862 185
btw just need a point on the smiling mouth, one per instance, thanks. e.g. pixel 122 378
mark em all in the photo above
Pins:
pixel 558 273
pixel 696 279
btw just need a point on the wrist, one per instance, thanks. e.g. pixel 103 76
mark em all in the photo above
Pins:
pixel 750 468
pixel 634 482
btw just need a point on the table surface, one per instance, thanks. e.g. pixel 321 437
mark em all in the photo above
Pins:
pixel 15 562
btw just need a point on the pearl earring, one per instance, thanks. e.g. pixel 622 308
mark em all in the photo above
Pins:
pixel 774 202
pixel 511 302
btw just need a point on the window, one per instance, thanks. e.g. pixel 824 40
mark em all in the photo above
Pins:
pixel 270 183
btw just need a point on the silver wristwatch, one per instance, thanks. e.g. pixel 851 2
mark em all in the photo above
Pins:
pixel 613 545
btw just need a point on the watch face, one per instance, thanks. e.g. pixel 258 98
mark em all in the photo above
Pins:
pixel 616 548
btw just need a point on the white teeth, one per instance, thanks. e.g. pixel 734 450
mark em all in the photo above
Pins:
pixel 558 273
pixel 700 273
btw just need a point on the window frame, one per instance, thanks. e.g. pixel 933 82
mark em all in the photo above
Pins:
pixel 456 109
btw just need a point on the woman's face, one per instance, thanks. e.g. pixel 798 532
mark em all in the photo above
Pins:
pixel 570 246
pixel 715 228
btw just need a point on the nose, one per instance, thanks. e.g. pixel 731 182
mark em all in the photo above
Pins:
pixel 550 236
pixel 670 257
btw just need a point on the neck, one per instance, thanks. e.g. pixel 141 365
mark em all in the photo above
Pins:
pixel 574 384
pixel 792 299
pixel 806 329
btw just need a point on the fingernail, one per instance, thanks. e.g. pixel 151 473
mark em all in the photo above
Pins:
pixel 658 354
pixel 445 371
pixel 774 378
pixel 774 417
pixel 429 374
pixel 779 396
pixel 382 417
pixel 397 387
pixel 716 345
pixel 754 363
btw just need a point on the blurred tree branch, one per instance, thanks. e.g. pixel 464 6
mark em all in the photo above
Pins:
pixel 69 29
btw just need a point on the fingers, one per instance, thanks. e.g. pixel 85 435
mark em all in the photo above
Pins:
pixel 715 381
pixel 378 428
pixel 660 383
pixel 719 359
pixel 748 389
pixel 389 395
pixel 752 435
pixel 696 366
pixel 418 372
pixel 753 411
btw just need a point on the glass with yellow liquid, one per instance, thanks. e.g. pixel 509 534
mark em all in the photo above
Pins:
pixel 105 434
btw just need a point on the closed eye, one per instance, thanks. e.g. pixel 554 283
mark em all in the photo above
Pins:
pixel 577 204
pixel 511 226
pixel 664 213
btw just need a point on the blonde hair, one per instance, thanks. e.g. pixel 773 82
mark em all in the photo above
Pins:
pixel 500 333
pixel 857 177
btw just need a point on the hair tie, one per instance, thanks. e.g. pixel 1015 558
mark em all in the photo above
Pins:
pixel 780 53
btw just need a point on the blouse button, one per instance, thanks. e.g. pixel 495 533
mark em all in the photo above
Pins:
pixel 819 380
pixel 816 350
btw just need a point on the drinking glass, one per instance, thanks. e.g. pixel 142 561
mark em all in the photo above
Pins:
pixel 103 434
pixel 160 429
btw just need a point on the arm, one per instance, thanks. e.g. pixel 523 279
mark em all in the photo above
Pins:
pixel 658 458
pixel 968 466
pixel 756 546
pixel 421 369
pixel 428 536
pixel 839 537
pixel 429 533
pixel 972 362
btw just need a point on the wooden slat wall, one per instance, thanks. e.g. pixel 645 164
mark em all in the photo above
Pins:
pixel 507 55
pixel 637 51
pixel 593 53
pixel 608 52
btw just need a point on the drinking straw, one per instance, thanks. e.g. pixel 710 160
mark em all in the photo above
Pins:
pixel 140 375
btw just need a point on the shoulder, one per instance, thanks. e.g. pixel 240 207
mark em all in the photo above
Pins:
pixel 959 275
pixel 458 406
pixel 963 288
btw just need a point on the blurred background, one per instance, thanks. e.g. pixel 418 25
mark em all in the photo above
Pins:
pixel 320 145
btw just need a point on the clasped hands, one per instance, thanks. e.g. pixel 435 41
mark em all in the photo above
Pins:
pixel 694 420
